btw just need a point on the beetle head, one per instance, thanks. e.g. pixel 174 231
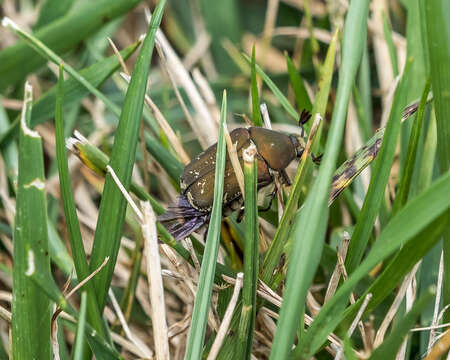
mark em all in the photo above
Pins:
pixel 299 144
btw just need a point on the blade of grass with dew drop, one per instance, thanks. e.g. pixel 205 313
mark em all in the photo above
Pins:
pixel 276 91
pixel 81 328
pixel 392 343
pixel 301 95
pixel 390 44
pixel 407 174
pixel 273 254
pixel 30 310
pixel 400 231
pixel 438 36
pixel 19 60
pixel 113 204
pixel 309 225
pixel 96 74
pixel 380 175
pixel 257 120
pixel 251 255
pixel 205 281
pixel 71 218
pixel 400 265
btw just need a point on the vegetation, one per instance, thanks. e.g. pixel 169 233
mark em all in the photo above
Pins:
pixel 350 261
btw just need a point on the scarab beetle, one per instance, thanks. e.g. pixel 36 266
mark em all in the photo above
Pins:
pixel 192 209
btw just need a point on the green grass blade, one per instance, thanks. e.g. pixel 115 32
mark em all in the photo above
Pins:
pixel 31 311
pixel 96 74
pixel 301 95
pixel 438 35
pixel 400 231
pixel 19 60
pixel 257 120
pixel 73 226
pixel 365 88
pixel 405 183
pixel 81 328
pixel 276 91
pixel 382 169
pixel 205 281
pixel 100 348
pixel 10 153
pixel 390 44
pixel 400 265
pixel 251 255
pixel 392 343
pixel 273 254
pixel 112 207
pixel 50 55
pixel 309 226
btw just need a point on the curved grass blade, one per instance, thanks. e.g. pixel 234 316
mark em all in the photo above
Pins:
pixel 30 310
pixel 73 226
pixel 112 207
pixel 19 60
pixel 309 225
pixel 400 231
pixel 96 74
pixel 205 281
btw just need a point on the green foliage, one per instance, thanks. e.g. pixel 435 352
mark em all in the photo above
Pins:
pixel 390 195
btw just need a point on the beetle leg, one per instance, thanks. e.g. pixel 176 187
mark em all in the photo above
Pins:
pixel 304 117
pixel 240 215
pixel 316 159
pixel 284 178
pixel 272 196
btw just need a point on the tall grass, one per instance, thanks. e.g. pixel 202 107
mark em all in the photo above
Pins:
pixel 351 260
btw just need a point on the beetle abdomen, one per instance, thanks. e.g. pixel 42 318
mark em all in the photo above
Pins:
pixel 181 219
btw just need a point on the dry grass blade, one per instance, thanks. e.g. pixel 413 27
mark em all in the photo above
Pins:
pixel 204 126
pixel 335 277
pixel 394 307
pixel 226 319
pixel 160 331
pixel 436 303
pixel 174 141
pixel 232 153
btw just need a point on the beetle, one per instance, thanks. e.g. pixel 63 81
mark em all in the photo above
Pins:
pixel 192 209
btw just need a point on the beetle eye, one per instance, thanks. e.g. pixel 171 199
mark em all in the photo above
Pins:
pixel 300 152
